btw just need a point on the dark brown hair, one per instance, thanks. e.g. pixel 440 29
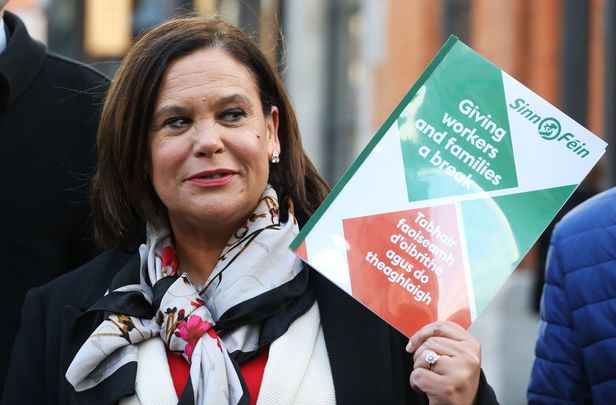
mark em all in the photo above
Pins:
pixel 122 198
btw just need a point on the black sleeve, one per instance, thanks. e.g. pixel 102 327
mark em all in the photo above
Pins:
pixel 25 381
pixel 485 394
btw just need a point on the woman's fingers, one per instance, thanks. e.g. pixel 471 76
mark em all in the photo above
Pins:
pixel 433 361
pixel 451 381
pixel 440 345
pixel 447 361
pixel 439 328
pixel 425 381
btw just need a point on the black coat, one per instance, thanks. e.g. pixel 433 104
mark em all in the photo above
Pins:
pixel 49 110
pixel 367 357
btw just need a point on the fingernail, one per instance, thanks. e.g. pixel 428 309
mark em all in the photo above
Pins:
pixel 409 346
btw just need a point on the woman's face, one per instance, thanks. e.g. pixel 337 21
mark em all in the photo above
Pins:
pixel 210 142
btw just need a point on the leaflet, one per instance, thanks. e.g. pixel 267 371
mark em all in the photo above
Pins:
pixel 449 195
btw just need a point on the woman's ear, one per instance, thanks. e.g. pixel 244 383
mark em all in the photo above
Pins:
pixel 272 132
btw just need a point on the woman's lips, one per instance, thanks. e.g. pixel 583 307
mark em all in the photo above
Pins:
pixel 212 178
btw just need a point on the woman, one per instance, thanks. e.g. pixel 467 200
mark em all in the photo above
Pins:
pixel 200 161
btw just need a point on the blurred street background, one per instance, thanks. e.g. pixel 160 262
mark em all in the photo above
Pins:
pixel 348 63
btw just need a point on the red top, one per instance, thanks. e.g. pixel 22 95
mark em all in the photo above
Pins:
pixel 180 370
pixel 252 371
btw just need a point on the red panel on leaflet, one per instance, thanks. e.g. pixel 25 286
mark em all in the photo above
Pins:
pixel 400 262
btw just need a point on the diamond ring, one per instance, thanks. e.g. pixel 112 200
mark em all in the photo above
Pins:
pixel 431 358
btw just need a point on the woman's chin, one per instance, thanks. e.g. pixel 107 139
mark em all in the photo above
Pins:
pixel 212 218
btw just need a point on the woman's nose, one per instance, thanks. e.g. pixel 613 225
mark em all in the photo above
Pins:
pixel 207 140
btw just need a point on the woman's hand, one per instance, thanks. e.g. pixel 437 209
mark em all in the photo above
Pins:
pixel 454 377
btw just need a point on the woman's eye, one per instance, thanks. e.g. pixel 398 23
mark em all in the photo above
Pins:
pixel 232 115
pixel 176 122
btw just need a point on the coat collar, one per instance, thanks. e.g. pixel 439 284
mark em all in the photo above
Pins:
pixel 20 62
pixel 78 322
pixel 367 357
pixel 2 35
pixel 343 336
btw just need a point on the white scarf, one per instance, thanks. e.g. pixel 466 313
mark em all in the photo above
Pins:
pixel 255 262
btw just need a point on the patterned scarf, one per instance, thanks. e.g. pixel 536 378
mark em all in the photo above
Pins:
pixel 256 290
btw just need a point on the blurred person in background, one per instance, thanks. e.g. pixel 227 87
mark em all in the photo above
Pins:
pixel 576 348
pixel 49 111
pixel 581 194
pixel 201 186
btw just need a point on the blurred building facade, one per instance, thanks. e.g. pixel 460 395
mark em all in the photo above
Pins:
pixel 349 62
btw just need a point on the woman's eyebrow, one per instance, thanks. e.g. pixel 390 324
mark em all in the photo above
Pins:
pixel 173 109
pixel 167 110
pixel 234 98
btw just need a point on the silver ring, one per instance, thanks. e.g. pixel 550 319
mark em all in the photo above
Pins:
pixel 431 358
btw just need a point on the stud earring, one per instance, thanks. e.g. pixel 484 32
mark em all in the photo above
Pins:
pixel 275 158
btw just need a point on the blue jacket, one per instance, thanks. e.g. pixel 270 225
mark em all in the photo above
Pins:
pixel 576 348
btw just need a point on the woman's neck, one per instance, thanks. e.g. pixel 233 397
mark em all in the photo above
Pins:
pixel 198 252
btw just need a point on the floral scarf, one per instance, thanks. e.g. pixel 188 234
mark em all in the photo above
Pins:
pixel 256 290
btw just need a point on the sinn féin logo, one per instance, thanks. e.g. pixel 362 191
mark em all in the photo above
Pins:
pixel 549 128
